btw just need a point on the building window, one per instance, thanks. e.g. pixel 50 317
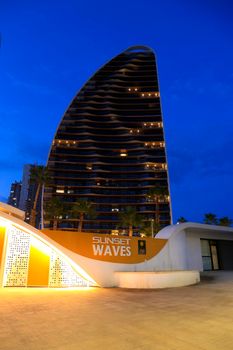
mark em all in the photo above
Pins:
pixel 60 190
pixel 123 153
pixel 209 255
pixel 89 166
pixel 115 210
pixel 154 144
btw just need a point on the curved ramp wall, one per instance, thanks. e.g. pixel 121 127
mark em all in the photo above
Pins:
pixel 29 258
pixel 60 259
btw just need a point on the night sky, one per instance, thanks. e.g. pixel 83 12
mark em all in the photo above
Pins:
pixel 49 49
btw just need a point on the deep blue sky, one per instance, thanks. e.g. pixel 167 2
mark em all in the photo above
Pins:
pixel 50 48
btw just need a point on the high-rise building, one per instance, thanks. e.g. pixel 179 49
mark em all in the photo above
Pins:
pixel 25 186
pixel 109 147
pixel 22 195
pixel 15 192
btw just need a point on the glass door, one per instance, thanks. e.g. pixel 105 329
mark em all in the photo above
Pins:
pixel 214 255
pixel 209 255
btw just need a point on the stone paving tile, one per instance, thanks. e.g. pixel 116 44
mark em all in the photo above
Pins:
pixel 197 317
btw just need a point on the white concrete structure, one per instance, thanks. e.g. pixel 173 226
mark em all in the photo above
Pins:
pixel 176 263
pixel 12 211
pixel 163 279
pixel 183 249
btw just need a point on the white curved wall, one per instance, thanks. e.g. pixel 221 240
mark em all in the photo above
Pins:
pixel 182 251
pixel 164 279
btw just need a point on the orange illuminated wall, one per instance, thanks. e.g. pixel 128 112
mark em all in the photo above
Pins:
pixel 118 249
pixel 2 240
pixel 26 259
pixel 38 270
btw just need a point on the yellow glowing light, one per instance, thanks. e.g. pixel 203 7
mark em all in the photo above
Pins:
pixel 40 246
pixel 12 222
pixel 4 223
pixel 60 191
pixel 89 167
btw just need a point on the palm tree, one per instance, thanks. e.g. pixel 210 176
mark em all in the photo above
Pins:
pixel 181 220
pixel 210 219
pixel 81 208
pixel 54 209
pixel 148 230
pixel 157 195
pixel 225 221
pixel 130 218
pixel 39 176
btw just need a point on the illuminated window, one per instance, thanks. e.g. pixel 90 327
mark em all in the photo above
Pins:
pixel 154 144
pixel 89 166
pixel 60 190
pixel 156 166
pixel 123 153
pixel 135 131
pixel 150 94
pixel 65 143
pixel 153 125
pixel 115 210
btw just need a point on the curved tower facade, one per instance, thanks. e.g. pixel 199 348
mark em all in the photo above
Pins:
pixel 109 147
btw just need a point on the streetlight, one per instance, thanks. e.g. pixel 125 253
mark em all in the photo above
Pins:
pixel 152 228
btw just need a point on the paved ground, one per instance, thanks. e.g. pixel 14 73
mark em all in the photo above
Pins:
pixel 196 317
